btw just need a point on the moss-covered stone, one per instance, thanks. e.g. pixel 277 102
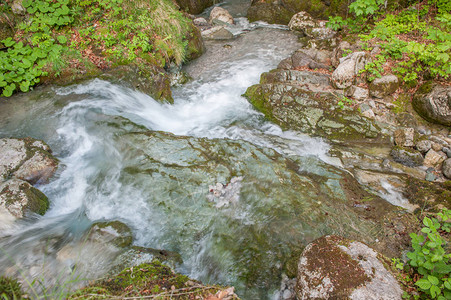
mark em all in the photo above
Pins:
pixel 145 280
pixel 407 156
pixel 114 232
pixel 280 97
pixel 430 196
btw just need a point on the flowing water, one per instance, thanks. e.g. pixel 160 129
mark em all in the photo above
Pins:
pixel 206 177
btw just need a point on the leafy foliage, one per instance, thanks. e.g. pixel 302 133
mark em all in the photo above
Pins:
pixel 22 64
pixel 416 39
pixel 429 258
pixel 103 32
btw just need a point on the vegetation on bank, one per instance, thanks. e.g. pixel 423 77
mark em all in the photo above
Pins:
pixel 426 275
pixel 77 37
pixel 413 42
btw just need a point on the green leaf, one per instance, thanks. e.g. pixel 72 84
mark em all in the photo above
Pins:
pixel 447 285
pixel 27 3
pixel 61 39
pixel 26 63
pixel 435 291
pixel 434 280
pixel 423 284
pixel 8 42
pixel 427 222
pixel 425 230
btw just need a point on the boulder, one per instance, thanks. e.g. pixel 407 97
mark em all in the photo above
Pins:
pixel 16 198
pixel 312 28
pixel 299 100
pixel 404 137
pixel 433 103
pixel 27 159
pixel 349 67
pixel 433 159
pixel 222 15
pixel 407 156
pixel 333 267
pixel 194 6
pixel 217 33
pixel 446 168
pixel 366 111
pixel 299 60
pixel 383 86
pixel 357 93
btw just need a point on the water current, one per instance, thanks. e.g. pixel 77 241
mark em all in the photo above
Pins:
pixel 124 156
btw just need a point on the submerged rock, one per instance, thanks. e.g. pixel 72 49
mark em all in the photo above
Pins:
pixel 433 103
pixel 332 267
pixel 234 189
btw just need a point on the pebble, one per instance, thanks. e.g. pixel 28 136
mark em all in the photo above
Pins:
pixel 430 177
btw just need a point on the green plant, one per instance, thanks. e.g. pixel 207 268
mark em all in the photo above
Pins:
pixel 429 258
pixel 344 101
pixel 10 289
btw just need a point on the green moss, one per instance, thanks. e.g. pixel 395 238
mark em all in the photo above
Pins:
pixel 38 202
pixel 145 280
pixel 258 99
pixel 125 237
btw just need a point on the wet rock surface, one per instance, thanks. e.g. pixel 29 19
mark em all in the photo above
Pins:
pixel 23 162
pixel 297 100
pixel 332 267
pixel 285 200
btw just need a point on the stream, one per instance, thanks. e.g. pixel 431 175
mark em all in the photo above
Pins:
pixel 207 177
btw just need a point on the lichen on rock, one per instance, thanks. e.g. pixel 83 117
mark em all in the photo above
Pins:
pixel 333 267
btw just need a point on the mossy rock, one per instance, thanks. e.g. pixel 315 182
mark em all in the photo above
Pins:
pixel 294 108
pixel 146 280
pixel 18 196
pixel 407 156
pixel 430 196
pixel 196 45
pixel 114 232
